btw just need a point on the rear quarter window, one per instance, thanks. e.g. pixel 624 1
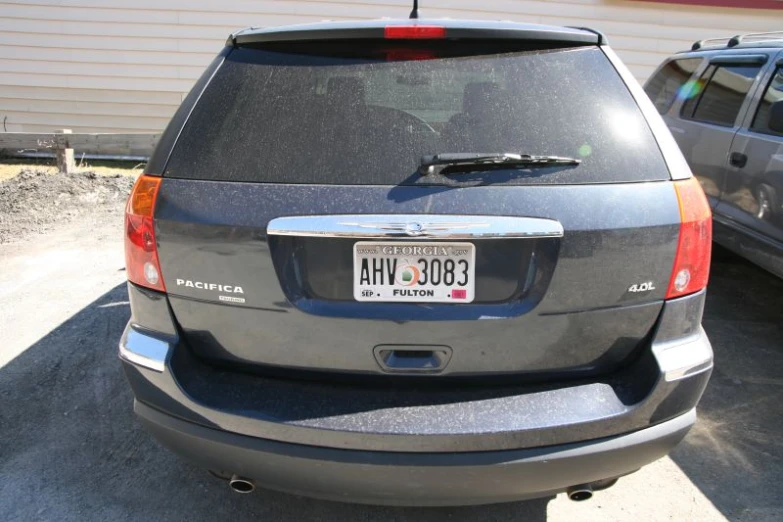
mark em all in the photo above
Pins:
pixel 723 89
pixel 773 94
pixel 672 82
pixel 326 118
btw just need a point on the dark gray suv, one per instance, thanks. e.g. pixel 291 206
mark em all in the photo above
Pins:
pixel 421 262
pixel 723 102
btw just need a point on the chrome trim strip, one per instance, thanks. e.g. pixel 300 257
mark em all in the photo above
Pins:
pixel 384 226
pixel 678 360
pixel 144 350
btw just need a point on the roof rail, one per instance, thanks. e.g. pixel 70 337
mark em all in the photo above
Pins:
pixel 601 36
pixel 734 41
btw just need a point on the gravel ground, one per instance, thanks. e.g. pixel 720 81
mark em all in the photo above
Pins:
pixel 70 448
pixel 33 201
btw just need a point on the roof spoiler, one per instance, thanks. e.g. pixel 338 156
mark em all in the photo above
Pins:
pixel 454 29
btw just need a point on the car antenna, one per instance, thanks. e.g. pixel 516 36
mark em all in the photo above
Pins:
pixel 415 12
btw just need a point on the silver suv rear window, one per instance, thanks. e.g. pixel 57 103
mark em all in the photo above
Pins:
pixel 367 118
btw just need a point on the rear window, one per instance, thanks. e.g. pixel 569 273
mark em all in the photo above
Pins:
pixel 343 116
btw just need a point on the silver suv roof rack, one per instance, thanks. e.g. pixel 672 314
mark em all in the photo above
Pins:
pixel 733 41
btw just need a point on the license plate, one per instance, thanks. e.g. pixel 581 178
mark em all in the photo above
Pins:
pixel 418 272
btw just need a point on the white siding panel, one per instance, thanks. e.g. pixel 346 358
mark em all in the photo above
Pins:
pixel 103 56
pixel 303 8
pixel 124 65
pixel 81 14
pixel 649 59
pixel 86 107
pixel 72 81
pixel 68 121
pixel 90 95
pixel 237 20
pixel 100 70
pixel 46 128
pixel 116 29
pixel 113 43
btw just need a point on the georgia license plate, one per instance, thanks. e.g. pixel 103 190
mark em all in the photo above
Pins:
pixel 414 272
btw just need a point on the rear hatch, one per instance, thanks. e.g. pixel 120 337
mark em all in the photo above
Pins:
pixel 298 232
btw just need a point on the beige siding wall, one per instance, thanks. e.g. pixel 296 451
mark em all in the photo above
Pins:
pixel 114 65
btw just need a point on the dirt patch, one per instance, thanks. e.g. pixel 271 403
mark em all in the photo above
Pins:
pixel 35 200
pixel 11 167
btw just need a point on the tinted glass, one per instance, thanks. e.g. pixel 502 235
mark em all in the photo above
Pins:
pixel 773 94
pixel 671 82
pixel 722 89
pixel 280 117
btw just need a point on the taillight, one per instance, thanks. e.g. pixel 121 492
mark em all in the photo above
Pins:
pixel 414 32
pixel 141 249
pixel 692 262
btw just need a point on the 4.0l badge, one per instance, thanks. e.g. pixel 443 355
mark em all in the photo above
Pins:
pixel 642 287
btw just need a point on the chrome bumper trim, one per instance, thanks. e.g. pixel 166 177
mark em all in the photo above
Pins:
pixel 144 350
pixel 678 359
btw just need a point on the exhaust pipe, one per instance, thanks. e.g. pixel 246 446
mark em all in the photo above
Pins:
pixel 580 492
pixel 241 484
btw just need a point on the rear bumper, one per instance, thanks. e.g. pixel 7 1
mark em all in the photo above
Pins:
pixel 403 445
pixel 430 479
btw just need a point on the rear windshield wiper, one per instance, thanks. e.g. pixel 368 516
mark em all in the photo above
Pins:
pixel 506 159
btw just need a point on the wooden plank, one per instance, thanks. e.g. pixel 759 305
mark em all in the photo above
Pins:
pixel 92 143
pixel 64 153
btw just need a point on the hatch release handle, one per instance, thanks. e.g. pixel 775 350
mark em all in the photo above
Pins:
pixel 394 358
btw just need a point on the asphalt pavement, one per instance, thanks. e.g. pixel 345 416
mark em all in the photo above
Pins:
pixel 70 448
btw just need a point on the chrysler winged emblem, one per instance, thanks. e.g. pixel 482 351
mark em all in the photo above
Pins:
pixel 414 229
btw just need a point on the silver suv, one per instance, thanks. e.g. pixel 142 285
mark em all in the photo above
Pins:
pixel 723 102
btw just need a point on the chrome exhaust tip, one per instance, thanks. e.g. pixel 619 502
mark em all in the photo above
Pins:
pixel 580 493
pixel 241 484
